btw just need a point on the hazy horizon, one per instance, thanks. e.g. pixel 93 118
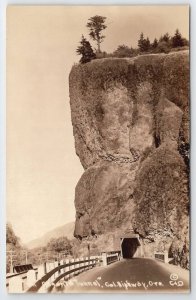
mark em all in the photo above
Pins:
pixel 42 166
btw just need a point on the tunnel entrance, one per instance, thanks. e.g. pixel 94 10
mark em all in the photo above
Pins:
pixel 129 246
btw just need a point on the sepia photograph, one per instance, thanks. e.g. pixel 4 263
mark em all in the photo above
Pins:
pixel 97 149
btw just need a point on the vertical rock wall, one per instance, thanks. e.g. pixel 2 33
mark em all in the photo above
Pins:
pixel 131 126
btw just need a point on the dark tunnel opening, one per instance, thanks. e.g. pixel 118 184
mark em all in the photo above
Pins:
pixel 129 247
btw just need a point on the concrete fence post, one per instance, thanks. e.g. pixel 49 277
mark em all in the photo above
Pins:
pixel 80 265
pixel 83 264
pixel 59 271
pixel 104 259
pixel 40 270
pixel 15 284
pixel 45 268
pixel 31 278
pixel 87 258
pixel 77 266
pixel 63 263
pixel 56 263
pixel 67 268
pixel 72 267
pixel 166 259
pixel 50 268
pixel 93 260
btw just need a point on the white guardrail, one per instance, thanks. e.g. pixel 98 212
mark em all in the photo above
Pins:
pixel 46 275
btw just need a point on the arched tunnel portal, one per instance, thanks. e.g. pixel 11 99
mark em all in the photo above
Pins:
pixel 130 246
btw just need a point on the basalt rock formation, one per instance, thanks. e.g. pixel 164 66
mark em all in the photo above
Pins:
pixel 130 121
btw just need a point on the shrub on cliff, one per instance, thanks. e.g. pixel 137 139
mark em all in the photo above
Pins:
pixel 124 51
pixel 86 51
pixel 163 47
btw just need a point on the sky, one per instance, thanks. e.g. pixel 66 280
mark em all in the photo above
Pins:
pixel 42 167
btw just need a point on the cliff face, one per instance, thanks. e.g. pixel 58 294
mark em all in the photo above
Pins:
pixel 130 121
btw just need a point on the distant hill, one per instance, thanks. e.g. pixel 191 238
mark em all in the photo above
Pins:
pixel 65 230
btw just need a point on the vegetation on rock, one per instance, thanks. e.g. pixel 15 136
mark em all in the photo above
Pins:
pixel 96 25
pixel 143 44
pixel 86 51
pixel 164 44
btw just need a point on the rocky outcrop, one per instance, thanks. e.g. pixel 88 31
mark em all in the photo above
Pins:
pixel 131 126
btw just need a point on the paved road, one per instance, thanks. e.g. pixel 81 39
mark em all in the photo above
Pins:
pixel 130 275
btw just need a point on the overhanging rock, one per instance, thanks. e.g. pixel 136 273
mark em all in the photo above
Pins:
pixel 130 122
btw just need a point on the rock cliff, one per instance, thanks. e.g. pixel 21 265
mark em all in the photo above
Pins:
pixel 131 126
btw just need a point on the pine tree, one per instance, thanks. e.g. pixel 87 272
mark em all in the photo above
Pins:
pixel 165 38
pixel 177 40
pixel 86 51
pixel 147 44
pixel 141 43
pixel 155 43
pixel 95 25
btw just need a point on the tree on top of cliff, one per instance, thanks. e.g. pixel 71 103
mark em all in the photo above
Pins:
pixel 165 38
pixel 95 25
pixel 177 40
pixel 86 51
pixel 155 43
pixel 143 44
